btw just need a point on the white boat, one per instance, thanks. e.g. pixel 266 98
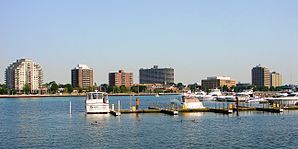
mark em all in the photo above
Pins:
pixel 291 99
pixel 245 95
pixel 97 102
pixel 257 99
pixel 191 102
pixel 200 94
pixel 229 98
pixel 214 93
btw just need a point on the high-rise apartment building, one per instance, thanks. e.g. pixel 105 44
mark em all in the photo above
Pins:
pixel 22 72
pixel 260 76
pixel 120 78
pixel 82 77
pixel 276 79
pixel 217 82
pixel 157 75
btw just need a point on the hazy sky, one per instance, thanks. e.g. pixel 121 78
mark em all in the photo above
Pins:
pixel 198 38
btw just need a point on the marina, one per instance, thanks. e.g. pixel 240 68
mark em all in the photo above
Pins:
pixel 97 102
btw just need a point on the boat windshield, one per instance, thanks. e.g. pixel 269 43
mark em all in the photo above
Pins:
pixel 95 96
pixel 190 99
pixel 292 95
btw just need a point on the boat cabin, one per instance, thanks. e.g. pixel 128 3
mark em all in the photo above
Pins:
pixel 98 96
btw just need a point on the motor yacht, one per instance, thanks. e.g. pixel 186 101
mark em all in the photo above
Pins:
pixel 97 102
pixel 190 101
pixel 291 99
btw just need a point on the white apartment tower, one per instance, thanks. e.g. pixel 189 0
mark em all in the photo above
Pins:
pixel 24 71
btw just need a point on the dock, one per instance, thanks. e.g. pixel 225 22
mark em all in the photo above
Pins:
pixel 223 111
pixel 115 113
pixel 273 110
pixel 165 111
pixel 176 110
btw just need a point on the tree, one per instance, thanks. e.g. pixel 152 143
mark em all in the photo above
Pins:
pixel 116 89
pixel 69 88
pixel 123 89
pixel 3 90
pixel 232 88
pixel 27 89
pixel 180 86
pixel 261 88
pixel 110 89
pixel 193 87
pixel 138 88
pixel 104 87
pixel 225 88
pixel 53 87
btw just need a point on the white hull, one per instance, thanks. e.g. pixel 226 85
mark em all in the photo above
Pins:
pixel 193 105
pixel 93 108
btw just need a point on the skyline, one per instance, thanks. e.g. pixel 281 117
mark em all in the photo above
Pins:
pixel 196 38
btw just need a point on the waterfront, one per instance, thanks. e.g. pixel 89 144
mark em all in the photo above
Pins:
pixel 46 123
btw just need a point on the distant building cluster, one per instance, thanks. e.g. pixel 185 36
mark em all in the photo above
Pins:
pixel 261 76
pixel 26 72
pixel 22 72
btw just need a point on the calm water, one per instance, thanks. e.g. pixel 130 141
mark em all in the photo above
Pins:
pixel 46 123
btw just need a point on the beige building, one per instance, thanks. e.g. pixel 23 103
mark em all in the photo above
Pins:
pixel 217 82
pixel 276 79
pixel 260 76
pixel 82 77
pixel 24 71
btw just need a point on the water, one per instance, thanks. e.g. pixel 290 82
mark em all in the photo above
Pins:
pixel 46 123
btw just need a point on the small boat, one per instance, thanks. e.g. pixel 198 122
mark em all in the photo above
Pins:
pixel 97 102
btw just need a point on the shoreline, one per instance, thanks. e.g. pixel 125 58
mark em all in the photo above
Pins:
pixel 81 95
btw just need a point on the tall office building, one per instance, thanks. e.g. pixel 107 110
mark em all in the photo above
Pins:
pixel 24 71
pixel 82 76
pixel 260 76
pixel 217 82
pixel 157 75
pixel 276 79
pixel 120 78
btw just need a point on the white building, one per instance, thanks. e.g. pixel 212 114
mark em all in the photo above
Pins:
pixel 24 71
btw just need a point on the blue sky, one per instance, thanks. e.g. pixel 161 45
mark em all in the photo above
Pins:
pixel 197 38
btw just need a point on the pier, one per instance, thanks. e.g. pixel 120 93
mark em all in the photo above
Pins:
pixel 273 110
pixel 165 111
pixel 223 111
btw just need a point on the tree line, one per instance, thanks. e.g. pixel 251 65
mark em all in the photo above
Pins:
pixel 54 88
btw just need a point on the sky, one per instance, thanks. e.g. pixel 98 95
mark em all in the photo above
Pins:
pixel 198 38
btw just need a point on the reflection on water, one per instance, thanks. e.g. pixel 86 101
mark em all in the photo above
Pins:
pixel 97 117
pixel 46 123
pixel 193 115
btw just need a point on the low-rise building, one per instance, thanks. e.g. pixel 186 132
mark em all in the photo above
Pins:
pixel 217 82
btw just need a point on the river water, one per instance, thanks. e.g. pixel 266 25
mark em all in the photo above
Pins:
pixel 46 123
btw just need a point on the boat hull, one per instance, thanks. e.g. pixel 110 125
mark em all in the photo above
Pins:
pixel 97 108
